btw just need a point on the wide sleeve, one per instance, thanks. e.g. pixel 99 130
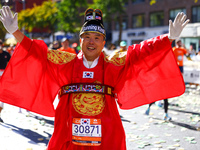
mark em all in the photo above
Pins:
pixel 151 73
pixel 29 80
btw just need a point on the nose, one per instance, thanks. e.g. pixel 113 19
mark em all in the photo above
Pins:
pixel 91 41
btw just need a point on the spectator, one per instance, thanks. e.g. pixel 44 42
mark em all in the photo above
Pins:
pixel 197 57
pixel 192 52
pixel 10 49
pixel 111 46
pixel 56 45
pixel 123 46
pixel 65 46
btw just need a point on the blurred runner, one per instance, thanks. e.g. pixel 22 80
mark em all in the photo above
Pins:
pixel 65 46
pixel 166 116
pixel 179 52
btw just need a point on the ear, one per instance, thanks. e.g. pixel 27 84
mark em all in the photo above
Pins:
pixel 104 42
pixel 80 40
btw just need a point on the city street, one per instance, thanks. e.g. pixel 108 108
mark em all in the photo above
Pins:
pixel 29 131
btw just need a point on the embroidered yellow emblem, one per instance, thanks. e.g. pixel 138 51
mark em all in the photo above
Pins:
pixel 117 59
pixel 89 104
pixel 60 57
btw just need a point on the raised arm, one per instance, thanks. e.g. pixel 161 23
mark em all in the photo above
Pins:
pixel 10 23
pixel 176 27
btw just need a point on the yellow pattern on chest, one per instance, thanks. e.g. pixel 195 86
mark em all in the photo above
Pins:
pixel 89 104
pixel 60 57
pixel 118 58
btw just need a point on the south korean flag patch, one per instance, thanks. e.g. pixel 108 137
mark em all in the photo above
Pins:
pixel 87 74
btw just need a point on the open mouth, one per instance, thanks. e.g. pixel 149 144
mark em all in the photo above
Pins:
pixel 91 48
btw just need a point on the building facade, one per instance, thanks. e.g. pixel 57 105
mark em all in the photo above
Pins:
pixel 143 20
pixel 18 5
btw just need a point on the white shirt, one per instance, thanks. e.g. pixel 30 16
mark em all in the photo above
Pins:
pixel 90 64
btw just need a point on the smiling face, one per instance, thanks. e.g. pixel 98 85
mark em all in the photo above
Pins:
pixel 92 45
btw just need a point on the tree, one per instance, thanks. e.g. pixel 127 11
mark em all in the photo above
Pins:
pixel 151 2
pixel 63 16
pixel 69 15
pixel 2 29
pixel 41 16
pixel 112 9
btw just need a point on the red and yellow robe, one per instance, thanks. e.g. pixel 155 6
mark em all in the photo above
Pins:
pixel 146 73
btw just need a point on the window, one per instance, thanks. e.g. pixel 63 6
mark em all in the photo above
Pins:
pixel 138 21
pixel 196 14
pixel 124 23
pixel 154 1
pixel 137 1
pixel 157 19
pixel 174 12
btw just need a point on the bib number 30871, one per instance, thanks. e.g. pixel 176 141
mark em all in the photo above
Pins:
pixel 86 132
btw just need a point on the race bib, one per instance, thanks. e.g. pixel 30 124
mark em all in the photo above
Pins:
pixel 86 132
pixel 180 58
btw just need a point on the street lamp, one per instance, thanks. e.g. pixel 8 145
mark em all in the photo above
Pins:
pixel 6 2
pixel 24 6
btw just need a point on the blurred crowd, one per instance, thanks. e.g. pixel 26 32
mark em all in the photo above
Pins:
pixel 66 45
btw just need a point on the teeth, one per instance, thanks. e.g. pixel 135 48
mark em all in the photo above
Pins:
pixel 90 47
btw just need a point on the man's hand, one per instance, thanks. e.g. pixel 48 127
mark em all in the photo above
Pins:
pixel 177 26
pixel 8 19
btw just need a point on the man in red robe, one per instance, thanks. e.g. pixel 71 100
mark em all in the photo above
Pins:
pixel 87 117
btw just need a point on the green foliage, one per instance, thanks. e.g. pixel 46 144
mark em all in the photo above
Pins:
pixel 2 31
pixel 27 19
pixel 56 16
pixel 47 15
pixel 110 8
pixel 151 2
pixel 41 16
pixel 69 15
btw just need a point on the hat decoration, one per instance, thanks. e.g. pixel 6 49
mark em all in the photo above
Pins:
pixel 93 22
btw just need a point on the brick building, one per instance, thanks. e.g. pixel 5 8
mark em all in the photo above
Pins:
pixel 18 5
pixel 143 21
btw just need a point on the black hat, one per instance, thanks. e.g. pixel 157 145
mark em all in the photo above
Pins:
pixel 93 22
